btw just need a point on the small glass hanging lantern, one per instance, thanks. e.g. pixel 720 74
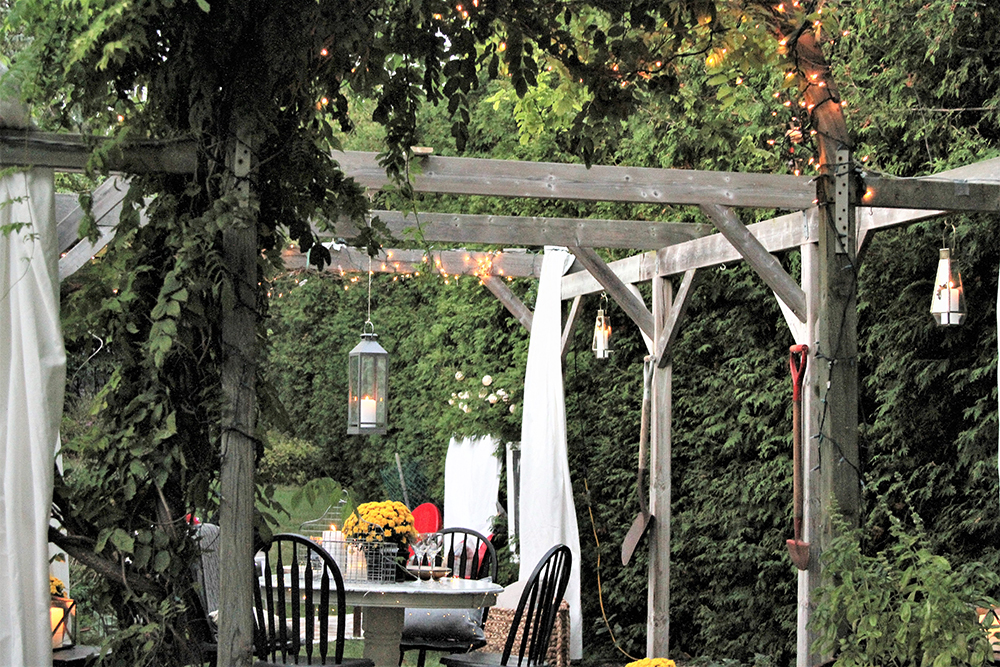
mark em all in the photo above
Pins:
pixel 948 299
pixel 602 332
pixel 368 379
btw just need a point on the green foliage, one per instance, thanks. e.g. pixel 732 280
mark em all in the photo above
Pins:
pixel 901 606
pixel 288 460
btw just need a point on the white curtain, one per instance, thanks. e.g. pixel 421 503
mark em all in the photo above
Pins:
pixel 471 484
pixel 32 378
pixel 548 516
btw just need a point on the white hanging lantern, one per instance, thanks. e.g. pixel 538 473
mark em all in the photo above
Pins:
pixel 602 333
pixel 948 299
pixel 368 378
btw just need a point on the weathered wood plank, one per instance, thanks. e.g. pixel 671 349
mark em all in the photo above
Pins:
pixel 870 218
pixel 762 262
pixel 70 152
pixel 106 205
pixel 548 180
pixel 616 289
pixel 671 328
pixel 73 260
pixel 931 192
pixel 634 269
pixel 778 234
pixel 658 596
pixel 531 231
pixel 452 262
pixel 509 300
pixel 775 235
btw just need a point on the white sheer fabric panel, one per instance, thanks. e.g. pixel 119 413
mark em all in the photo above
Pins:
pixel 548 515
pixel 471 484
pixel 32 379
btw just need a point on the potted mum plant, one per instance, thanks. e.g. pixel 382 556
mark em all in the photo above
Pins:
pixel 388 521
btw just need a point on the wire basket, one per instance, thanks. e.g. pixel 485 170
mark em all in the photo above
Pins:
pixel 358 559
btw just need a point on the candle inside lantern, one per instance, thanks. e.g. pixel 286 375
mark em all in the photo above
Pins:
pixel 58 627
pixel 368 407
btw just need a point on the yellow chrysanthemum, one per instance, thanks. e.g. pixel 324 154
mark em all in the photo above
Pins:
pixel 652 662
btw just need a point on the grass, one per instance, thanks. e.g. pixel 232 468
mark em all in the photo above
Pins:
pixel 296 515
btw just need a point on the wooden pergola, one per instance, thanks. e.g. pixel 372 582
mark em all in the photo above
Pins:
pixel 831 220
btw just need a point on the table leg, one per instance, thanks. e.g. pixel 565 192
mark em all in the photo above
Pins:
pixel 383 629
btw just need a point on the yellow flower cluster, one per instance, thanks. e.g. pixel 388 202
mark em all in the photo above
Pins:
pixel 56 586
pixel 652 662
pixel 388 521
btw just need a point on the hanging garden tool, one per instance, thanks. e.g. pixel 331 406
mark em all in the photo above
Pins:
pixel 797 549
pixel 644 519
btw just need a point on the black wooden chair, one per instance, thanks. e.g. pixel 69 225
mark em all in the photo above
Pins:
pixel 536 612
pixel 302 591
pixel 470 555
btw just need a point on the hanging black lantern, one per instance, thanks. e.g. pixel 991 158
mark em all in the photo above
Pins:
pixel 368 378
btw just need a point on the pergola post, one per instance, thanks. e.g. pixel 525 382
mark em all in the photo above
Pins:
pixel 658 602
pixel 236 475
pixel 809 579
pixel 832 387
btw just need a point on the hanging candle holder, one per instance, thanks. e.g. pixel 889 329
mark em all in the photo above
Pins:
pixel 368 379
pixel 948 298
pixel 602 332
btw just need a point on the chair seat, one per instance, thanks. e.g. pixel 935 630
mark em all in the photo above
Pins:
pixel 347 662
pixel 480 659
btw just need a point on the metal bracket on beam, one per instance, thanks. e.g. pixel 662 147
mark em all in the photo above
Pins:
pixel 842 199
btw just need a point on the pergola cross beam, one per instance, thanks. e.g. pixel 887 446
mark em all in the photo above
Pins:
pixel 757 256
pixel 616 289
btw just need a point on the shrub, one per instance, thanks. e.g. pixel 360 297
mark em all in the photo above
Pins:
pixel 901 606
pixel 289 460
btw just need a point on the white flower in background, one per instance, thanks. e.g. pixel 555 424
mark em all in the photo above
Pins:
pixel 467 409
pixel 487 380
pixel 459 376
pixel 464 395
pixel 463 407
pixel 492 398
pixel 512 407
pixel 451 401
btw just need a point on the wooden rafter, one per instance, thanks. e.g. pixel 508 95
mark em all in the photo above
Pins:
pixel 71 152
pixel 757 256
pixel 548 180
pixel 498 286
pixel 567 334
pixel 672 326
pixel 616 289
pixel 346 259
pixel 531 231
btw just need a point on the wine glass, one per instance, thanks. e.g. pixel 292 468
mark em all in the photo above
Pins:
pixel 420 546
pixel 435 543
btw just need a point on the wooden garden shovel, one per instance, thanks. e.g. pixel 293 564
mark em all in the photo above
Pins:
pixel 644 519
pixel 797 549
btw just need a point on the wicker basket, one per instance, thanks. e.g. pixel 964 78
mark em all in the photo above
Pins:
pixel 498 625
